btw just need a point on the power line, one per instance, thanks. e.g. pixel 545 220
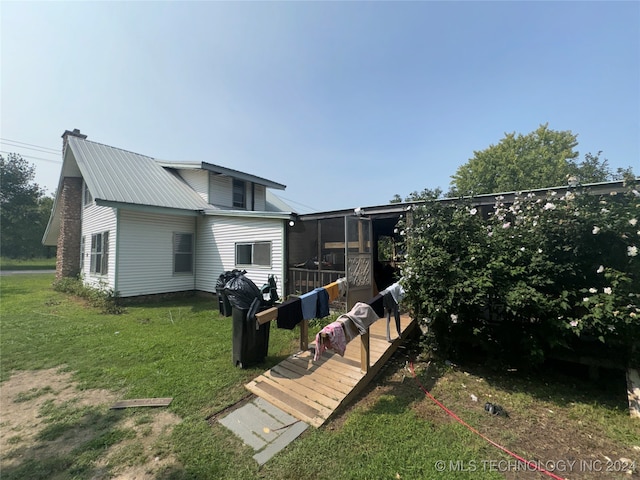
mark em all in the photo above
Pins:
pixel 30 144
pixel 32 157
pixel 28 148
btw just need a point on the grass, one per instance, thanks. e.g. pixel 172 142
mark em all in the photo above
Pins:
pixel 182 349
pixel 27 264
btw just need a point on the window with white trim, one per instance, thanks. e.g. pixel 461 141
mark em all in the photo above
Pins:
pixel 182 252
pixel 100 253
pixel 253 253
pixel 239 193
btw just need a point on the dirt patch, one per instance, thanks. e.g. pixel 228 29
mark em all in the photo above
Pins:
pixel 47 421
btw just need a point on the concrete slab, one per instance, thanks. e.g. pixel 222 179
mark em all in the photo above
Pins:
pixel 263 427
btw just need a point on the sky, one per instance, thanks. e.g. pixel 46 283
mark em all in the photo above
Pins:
pixel 345 103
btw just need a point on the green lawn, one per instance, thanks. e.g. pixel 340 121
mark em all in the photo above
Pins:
pixel 182 349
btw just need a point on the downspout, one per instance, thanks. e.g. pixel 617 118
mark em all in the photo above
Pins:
pixel 253 196
pixel 117 249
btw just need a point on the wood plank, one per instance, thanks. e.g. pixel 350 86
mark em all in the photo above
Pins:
pixel 304 415
pixel 142 402
pixel 321 387
pixel 294 397
pixel 267 315
pixel 319 377
pixel 313 395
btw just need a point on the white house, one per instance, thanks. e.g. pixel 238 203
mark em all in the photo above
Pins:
pixel 141 226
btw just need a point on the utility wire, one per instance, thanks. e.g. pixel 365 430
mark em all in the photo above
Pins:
pixel 29 144
pixel 32 157
pixel 28 148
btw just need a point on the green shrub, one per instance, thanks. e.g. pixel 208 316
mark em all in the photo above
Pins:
pixel 529 277
pixel 100 297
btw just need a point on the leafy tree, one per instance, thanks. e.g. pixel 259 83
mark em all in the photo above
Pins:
pixel 24 210
pixel 542 158
pixel 426 194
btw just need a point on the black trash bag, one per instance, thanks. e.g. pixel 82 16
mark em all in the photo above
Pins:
pixel 241 291
pixel 228 275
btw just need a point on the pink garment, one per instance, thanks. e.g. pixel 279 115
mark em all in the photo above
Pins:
pixel 335 340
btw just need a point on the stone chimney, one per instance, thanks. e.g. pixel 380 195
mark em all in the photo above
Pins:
pixel 67 133
pixel 70 198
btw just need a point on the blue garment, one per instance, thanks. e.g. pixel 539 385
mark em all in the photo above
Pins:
pixel 309 305
pixel 323 302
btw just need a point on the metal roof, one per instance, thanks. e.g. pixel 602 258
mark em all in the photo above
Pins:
pixel 118 176
pixel 230 172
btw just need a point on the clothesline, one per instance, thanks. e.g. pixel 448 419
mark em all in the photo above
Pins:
pixel 314 304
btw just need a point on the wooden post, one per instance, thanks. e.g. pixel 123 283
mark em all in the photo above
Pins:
pixel 304 335
pixel 365 355
pixel 633 392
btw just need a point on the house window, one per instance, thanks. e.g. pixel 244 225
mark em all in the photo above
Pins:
pixel 182 253
pixel 100 253
pixel 239 193
pixel 87 198
pixel 255 253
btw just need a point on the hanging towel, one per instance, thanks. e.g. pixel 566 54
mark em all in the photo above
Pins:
pixel 335 340
pixel 333 290
pixel 309 305
pixel 289 313
pixel 377 305
pixel 323 303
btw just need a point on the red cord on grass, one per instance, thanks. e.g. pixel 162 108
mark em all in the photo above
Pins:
pixel 518 457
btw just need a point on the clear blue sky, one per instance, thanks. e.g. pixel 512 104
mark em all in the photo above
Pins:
pixel 346 103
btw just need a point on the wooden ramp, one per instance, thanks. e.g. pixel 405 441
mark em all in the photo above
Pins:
pixel 313 391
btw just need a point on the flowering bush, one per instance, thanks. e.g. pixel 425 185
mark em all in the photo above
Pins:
pixel 524 278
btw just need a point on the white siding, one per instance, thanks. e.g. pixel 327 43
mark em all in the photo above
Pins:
pixel 215 250
pixel 145 250
pixel 97 219
pixel 261 198
pixel 220 190
pixel 198 180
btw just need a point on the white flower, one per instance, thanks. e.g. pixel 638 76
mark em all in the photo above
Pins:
pixel 522 249
pixel 573 323
pixel 549 206
pixel 490 234
pixel 454 318
pixel 636 193
pixel 633 222
pixel 600 269
pixel 607 290
pixel 506 225
pixel 585 299
pixel 632 251
pixel 473 211
pixel 539 250
pixel 595 230
pixel 553 194
pixel 613 194
pixel 593 290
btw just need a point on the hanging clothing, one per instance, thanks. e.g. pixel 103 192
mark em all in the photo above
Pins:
pixel 377 305
pixel 357 320
pixel 342 286
pixel 330 337
pixel 289 313
pixel 396 291
pixel 391 306
pixel 309 305
pixel 333 290
pixel 322 307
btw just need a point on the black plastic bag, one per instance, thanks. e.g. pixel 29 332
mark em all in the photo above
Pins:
pixel 241 291
pixel 228 275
